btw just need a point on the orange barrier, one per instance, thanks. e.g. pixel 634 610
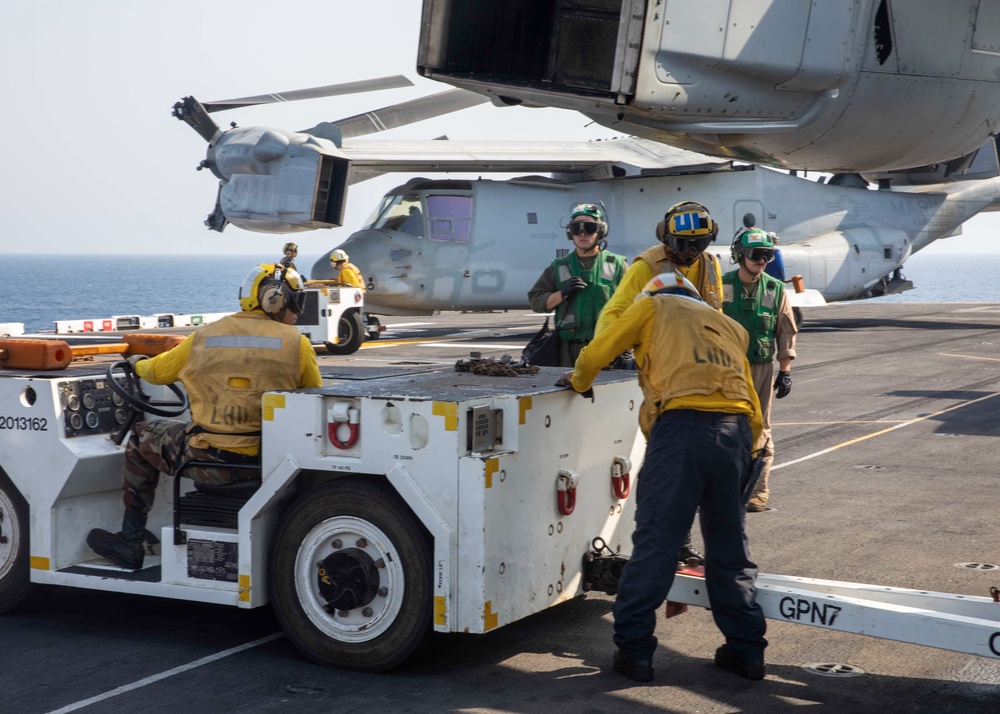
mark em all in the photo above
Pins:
pixel 34 354
pixel 50 355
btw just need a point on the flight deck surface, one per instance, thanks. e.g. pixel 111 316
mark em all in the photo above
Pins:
pixel 885 474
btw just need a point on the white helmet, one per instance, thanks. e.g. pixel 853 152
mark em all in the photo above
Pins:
pixel 671 283
pixel 337 256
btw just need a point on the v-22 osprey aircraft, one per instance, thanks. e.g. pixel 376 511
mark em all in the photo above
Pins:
pixel 905 94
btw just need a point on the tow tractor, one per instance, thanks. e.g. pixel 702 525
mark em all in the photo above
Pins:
pixel 392 502
pixel 333 316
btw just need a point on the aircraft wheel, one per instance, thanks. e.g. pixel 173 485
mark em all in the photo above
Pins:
pixel 15 577
pixel 373 325
pixel 350 334
pixel 351 577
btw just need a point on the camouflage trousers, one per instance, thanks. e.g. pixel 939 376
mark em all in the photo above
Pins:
pixel 763 384
pixel 157 447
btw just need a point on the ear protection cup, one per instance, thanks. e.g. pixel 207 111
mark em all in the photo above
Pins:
pixel 273 297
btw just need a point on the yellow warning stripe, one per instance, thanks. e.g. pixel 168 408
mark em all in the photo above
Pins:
pixel 39 563
pixel 272 402
pixel 525 404
pixel 440 610
pixel 448 410
pixel 490 618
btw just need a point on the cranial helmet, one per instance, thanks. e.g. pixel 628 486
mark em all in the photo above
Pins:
pixel 751 241
pixel 338 256
pixel 670 283
pixel 593 210
pixel 290 248
pixel 272 289
pixel 687 225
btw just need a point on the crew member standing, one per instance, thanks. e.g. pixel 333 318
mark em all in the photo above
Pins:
pixel 344 271
pixel 685 232
pixel 759 303
pixel 578 285
pixel 291 251
pixel 225 366
pixel 700 416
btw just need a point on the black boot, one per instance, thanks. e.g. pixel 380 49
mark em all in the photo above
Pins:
pixel 687 555
pixel 124 548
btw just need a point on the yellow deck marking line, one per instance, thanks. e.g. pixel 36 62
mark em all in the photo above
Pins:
pixel 988 359
pixel 169 673
pixel 849 421
pixel 883 431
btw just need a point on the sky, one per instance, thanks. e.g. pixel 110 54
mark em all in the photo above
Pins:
pixel 93 161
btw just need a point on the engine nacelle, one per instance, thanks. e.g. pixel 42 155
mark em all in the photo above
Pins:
pixel 846 264
pixel 277 181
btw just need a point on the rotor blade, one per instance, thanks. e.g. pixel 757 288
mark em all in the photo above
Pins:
pixel 192 112
pixel 401 114
pixel 331 90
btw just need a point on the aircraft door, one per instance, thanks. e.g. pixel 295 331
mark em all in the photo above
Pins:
pixel 446 252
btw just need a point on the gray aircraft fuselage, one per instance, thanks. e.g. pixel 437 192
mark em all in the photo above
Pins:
pixel 841 240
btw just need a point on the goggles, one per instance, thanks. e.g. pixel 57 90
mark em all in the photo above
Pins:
pixel 579 228
pixel 297 301
pixel 760 254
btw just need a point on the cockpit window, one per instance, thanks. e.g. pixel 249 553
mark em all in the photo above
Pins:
pixel 401 213
pixel 450 217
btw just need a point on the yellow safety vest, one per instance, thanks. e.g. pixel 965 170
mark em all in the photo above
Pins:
pixel 233 361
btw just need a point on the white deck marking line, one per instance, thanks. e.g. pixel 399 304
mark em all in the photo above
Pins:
pixel 883 431
pixel 991 359
pixel 169 673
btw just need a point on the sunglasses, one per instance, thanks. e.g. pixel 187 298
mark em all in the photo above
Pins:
pixel 580 227
pixel 760 254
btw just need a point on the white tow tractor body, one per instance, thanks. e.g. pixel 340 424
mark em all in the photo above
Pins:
pixel 391 502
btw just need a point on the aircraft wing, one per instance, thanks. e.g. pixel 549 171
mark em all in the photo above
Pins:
pixel 614 158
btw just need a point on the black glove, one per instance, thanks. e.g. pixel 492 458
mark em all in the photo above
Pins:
pixel 783 385
pixel 572 285
pixel 565 380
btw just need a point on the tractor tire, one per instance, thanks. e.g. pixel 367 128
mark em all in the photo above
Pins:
pixel 350 334
pixel 350 576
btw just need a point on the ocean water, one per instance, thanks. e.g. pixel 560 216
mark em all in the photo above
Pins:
pixel 40 289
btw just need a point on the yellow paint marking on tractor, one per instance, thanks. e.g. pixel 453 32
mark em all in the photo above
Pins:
pixel 490 618
pixel 39 563
pixel 448 410
pixel 492 466
pixel 244 588
pixel 525 404
pixel 440 610
pixel 272 402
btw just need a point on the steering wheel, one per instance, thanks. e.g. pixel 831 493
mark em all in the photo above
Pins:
pixel 131 392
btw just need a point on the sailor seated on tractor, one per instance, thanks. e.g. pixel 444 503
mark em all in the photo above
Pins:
pixel 225 366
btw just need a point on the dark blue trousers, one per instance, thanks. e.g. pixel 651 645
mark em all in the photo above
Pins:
pixel 694 460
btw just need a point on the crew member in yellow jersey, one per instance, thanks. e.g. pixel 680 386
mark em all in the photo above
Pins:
pixel 344 271
pixel 701 417
pixel 685 232
pixel 225 366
